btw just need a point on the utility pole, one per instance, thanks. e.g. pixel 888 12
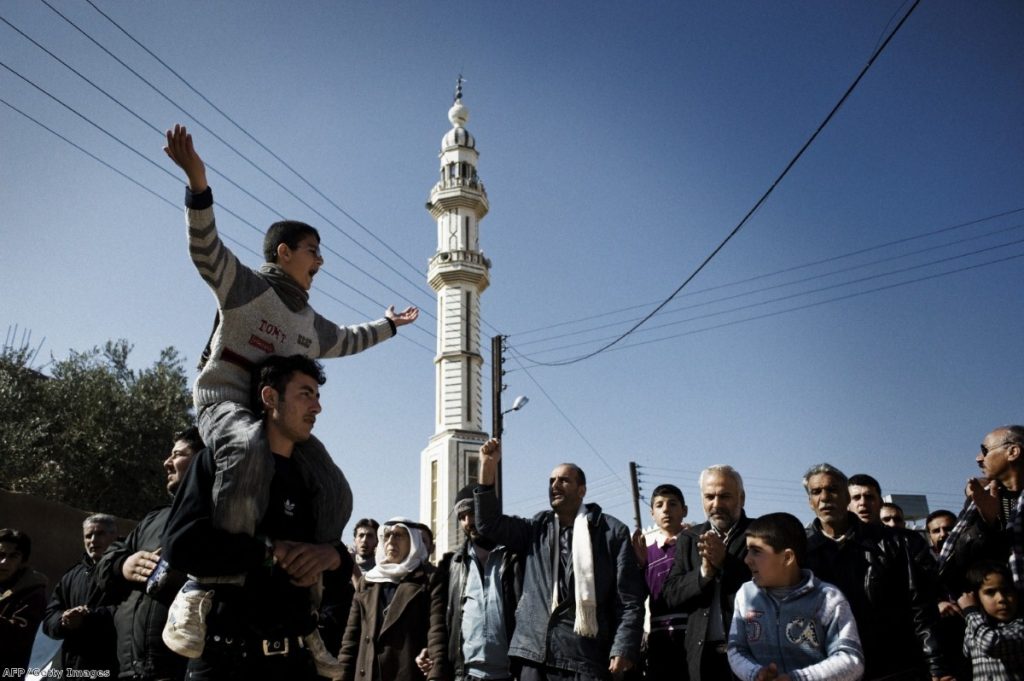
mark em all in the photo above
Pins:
pixel 636 494
pixel 497 417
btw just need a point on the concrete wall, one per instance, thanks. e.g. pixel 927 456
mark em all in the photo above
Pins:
pixel 55 530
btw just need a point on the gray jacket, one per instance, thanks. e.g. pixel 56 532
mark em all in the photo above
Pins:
pixel 547 637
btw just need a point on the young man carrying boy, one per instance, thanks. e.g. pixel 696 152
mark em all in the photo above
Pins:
pixel 260 314
pixel 994 640
pixel 786 623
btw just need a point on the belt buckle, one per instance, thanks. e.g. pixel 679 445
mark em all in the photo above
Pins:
pixel 276 643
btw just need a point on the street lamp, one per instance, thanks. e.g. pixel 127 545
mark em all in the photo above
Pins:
pixel 517 404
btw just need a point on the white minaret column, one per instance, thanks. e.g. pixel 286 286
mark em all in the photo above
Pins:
pixel 459 273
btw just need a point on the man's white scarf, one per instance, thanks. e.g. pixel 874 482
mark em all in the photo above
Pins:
pixel 583 575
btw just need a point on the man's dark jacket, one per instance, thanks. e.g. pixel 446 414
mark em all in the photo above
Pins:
pixel 687 591
pixel 446 650
pixel 892 598
pixel 140 617
pixel 93 645
pixel 547 637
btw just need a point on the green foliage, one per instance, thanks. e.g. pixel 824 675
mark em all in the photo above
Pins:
pixel 94 433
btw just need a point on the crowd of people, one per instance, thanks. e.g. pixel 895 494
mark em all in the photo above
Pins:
pixel 568 594
pixel 246 573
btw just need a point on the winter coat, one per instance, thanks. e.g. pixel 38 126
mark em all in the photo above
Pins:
pixel 93 645
pixel 22 604
pixel 687 591
pixel 140 617
pixel 546 636
pixel 381 644
pixel 452 572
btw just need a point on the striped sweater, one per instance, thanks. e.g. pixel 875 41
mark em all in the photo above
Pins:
pixel 255 323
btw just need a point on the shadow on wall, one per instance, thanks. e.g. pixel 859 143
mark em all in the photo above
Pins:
pixel 55 530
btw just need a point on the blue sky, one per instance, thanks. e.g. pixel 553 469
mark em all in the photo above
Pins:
pixel 620 143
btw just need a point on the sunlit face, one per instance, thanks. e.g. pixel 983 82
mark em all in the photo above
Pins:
pixel 397 544
pixel 722 499
pixel 293 414
pixel 893 517
pixel 11 560
pixel 998 597
pixel 365 541
pixel 865 502
pixel 939 528
pixel 301 262
pixel 177 463
pixel 829 498
pixel 96 538
pixel 668 513
pixel 564 489
pixel 769 568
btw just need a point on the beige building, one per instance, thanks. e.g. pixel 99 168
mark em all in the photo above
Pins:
pixel 459 273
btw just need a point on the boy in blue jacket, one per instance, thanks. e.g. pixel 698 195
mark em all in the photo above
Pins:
pixel 787 624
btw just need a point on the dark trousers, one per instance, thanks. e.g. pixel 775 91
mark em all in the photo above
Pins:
pixel 534 672
pixel 666 656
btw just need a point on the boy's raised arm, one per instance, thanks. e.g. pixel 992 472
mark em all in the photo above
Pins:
pixel 180 150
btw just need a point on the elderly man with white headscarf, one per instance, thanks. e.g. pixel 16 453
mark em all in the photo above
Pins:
pixel 390 616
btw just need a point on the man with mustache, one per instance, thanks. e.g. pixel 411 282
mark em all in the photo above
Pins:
pixel 708 570
pixel 892 597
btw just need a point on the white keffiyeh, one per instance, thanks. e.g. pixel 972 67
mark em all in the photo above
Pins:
pixel 395 572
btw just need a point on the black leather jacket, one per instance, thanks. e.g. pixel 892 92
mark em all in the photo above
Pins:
pixel 891 595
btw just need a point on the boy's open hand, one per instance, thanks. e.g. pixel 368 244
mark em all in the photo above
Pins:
pixel 180 150
pixel 406 316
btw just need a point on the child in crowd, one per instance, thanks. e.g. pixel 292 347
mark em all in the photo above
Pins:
pixel 787 624
pixel 259 314
pixel 994 640
pixel 666 650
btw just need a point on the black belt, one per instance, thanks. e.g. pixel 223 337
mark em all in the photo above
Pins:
pixel 268 647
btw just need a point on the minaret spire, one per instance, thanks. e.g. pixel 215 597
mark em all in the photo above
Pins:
pixel 459 273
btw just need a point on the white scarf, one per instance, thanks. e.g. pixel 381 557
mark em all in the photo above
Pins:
pixel 583 575
pixel 395 572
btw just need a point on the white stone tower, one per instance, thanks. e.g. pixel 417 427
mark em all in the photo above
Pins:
pixel 459 273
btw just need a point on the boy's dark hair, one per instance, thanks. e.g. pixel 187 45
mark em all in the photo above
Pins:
pixel 366 522
pixel 781 531
pixel 276 372
pixel 192 438
pixel 939 514
pixel 864 480
pixel 19 539
pixel 667 491
pixel 977 573
pixel 288 232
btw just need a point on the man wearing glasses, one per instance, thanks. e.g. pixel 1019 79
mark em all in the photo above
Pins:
pixel 991 526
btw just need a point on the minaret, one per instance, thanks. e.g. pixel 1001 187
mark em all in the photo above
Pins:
pixel 459 273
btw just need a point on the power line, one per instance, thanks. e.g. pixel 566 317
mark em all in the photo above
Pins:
pixel 757 205
pixel 799 307
pixel 221 207
pixel 256 141
pixel 417 286
pixel 786 270
pixel 571 424
pixel 277 157
pixel 769 301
